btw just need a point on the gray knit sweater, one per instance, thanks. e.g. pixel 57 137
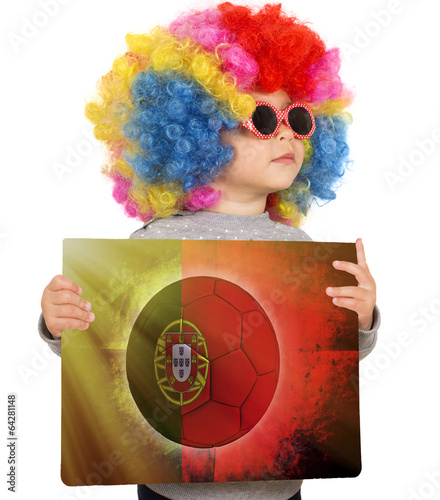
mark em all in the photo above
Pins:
pixel 212 225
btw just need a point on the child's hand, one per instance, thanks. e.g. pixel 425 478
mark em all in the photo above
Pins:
pixel 63 308
pixel 361 298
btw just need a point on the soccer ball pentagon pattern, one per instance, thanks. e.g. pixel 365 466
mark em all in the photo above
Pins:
pixel 202 362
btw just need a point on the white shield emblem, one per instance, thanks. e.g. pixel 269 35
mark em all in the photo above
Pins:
pixel 181 355
pixel 181 360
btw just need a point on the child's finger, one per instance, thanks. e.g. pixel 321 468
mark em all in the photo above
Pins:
pixel 354 292
pixel 361 307
pixel 60 282
pixel 71 311
pixel 360 273
pixel 61 297
pixel 58 325
pixel 360 252
pixel 365 316
pixel 360 255
pixel 67 317
pixel 352 304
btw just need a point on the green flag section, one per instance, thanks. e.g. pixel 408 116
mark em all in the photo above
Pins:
pixel 209 361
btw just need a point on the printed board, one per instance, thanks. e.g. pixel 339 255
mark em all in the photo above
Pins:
pixel 209 361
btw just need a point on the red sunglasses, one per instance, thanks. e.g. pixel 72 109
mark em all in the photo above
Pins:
pixel 265 121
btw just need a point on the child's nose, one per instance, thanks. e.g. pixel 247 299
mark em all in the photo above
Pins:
pixel 285 132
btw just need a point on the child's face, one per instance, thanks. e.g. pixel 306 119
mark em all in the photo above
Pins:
pixel 257 168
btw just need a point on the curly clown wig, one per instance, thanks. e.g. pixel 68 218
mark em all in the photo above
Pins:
pixel 162 107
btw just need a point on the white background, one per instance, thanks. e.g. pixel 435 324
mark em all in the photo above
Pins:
pixel 390 57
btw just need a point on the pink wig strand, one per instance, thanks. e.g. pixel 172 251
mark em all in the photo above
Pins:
pixel 324 73
pixel 121 188
pixel 202 198
pixel 204 28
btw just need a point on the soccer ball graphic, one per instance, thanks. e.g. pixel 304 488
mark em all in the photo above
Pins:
pixel 202 362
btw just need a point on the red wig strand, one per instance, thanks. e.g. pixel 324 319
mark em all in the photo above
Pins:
pixel 283 46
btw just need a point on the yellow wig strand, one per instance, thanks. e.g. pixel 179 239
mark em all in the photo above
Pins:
pixel 167 53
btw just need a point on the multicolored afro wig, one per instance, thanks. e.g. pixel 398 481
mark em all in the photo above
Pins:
pixel 162 107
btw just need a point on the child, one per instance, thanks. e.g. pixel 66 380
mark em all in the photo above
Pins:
pixel 225 125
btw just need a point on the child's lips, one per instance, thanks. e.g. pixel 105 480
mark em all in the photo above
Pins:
pixel 287 158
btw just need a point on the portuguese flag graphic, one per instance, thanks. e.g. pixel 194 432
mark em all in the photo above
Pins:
pixel 209 361
pixel 215 394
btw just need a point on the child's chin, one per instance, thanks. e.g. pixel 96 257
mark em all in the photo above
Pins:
pixel 285 183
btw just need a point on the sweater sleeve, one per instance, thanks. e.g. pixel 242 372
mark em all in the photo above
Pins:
pixel 54 344
pixel 368 338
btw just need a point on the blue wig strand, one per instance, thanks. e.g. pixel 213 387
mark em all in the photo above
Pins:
pixel 177 124
pixel 330 159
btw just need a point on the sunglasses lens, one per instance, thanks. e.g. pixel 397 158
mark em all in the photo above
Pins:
pixel 300 120
pixel 264 119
